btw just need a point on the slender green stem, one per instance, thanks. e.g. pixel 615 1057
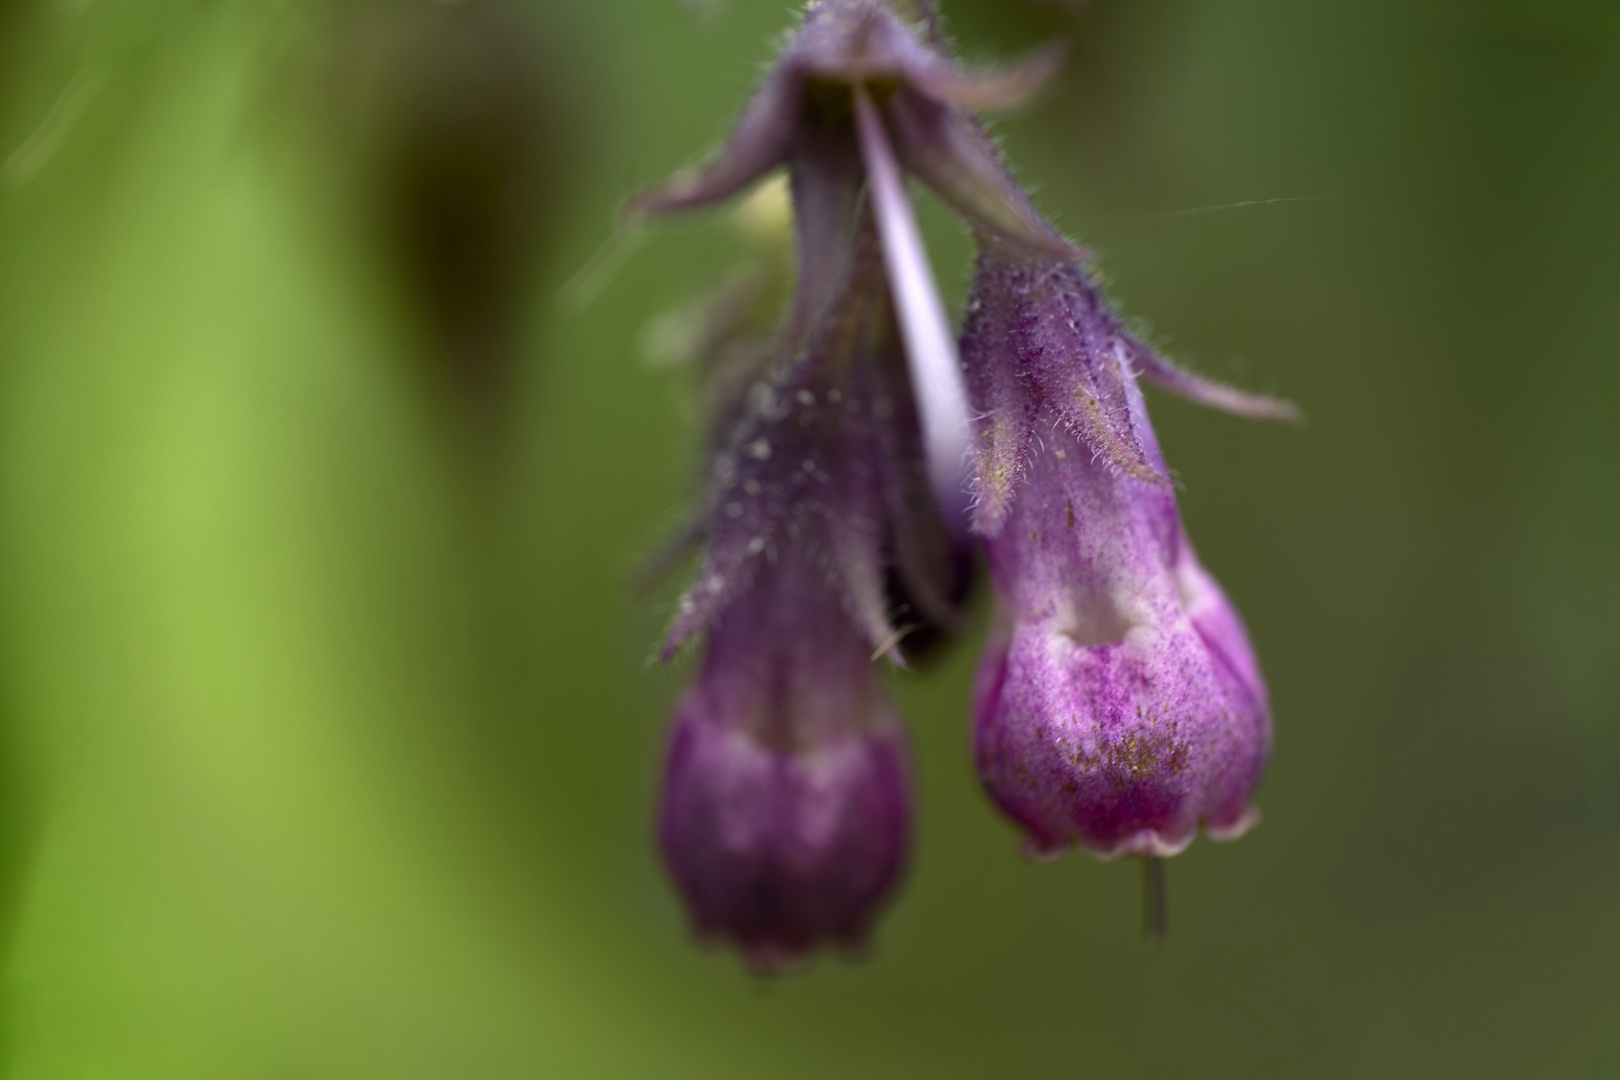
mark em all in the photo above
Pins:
pixel 1155 901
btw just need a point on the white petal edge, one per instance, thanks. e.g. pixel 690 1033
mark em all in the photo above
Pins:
pixel 1224 833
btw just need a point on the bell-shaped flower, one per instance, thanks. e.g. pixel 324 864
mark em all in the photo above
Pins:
pixel 785 816
pixel 1119 703
pixel 785 809
pixel 786 805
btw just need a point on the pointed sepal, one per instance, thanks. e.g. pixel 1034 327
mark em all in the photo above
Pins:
pixel 952 153
pixel 1208 392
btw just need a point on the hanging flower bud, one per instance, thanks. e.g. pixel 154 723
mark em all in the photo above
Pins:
pixel 1120 702
pixel 786 808
pixel 785 812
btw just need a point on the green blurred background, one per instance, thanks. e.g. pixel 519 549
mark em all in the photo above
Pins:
pixel 327 732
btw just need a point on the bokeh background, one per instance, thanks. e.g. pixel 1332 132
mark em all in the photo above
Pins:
pixel 328 737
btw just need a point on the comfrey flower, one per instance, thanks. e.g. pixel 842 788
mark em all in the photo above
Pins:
pixel 1119 702
pixel 786 809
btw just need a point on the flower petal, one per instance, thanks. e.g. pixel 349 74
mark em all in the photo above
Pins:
pixel 1121 705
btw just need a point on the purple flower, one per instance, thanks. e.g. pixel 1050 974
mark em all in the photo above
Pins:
pixel 1119 703
pixel 785 812
pixel 786 807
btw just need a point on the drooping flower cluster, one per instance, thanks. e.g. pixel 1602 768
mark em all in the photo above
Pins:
pixel 855 466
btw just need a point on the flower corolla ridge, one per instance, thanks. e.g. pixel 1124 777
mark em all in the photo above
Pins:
pixel 1119 702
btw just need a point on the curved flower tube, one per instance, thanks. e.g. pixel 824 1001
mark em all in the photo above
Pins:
pixel 1119 703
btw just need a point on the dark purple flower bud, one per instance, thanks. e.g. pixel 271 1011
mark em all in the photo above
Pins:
pixel 785 813
pixel 785 816
pixel 1120 702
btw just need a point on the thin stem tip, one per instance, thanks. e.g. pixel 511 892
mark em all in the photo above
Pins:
pixel 1155 901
